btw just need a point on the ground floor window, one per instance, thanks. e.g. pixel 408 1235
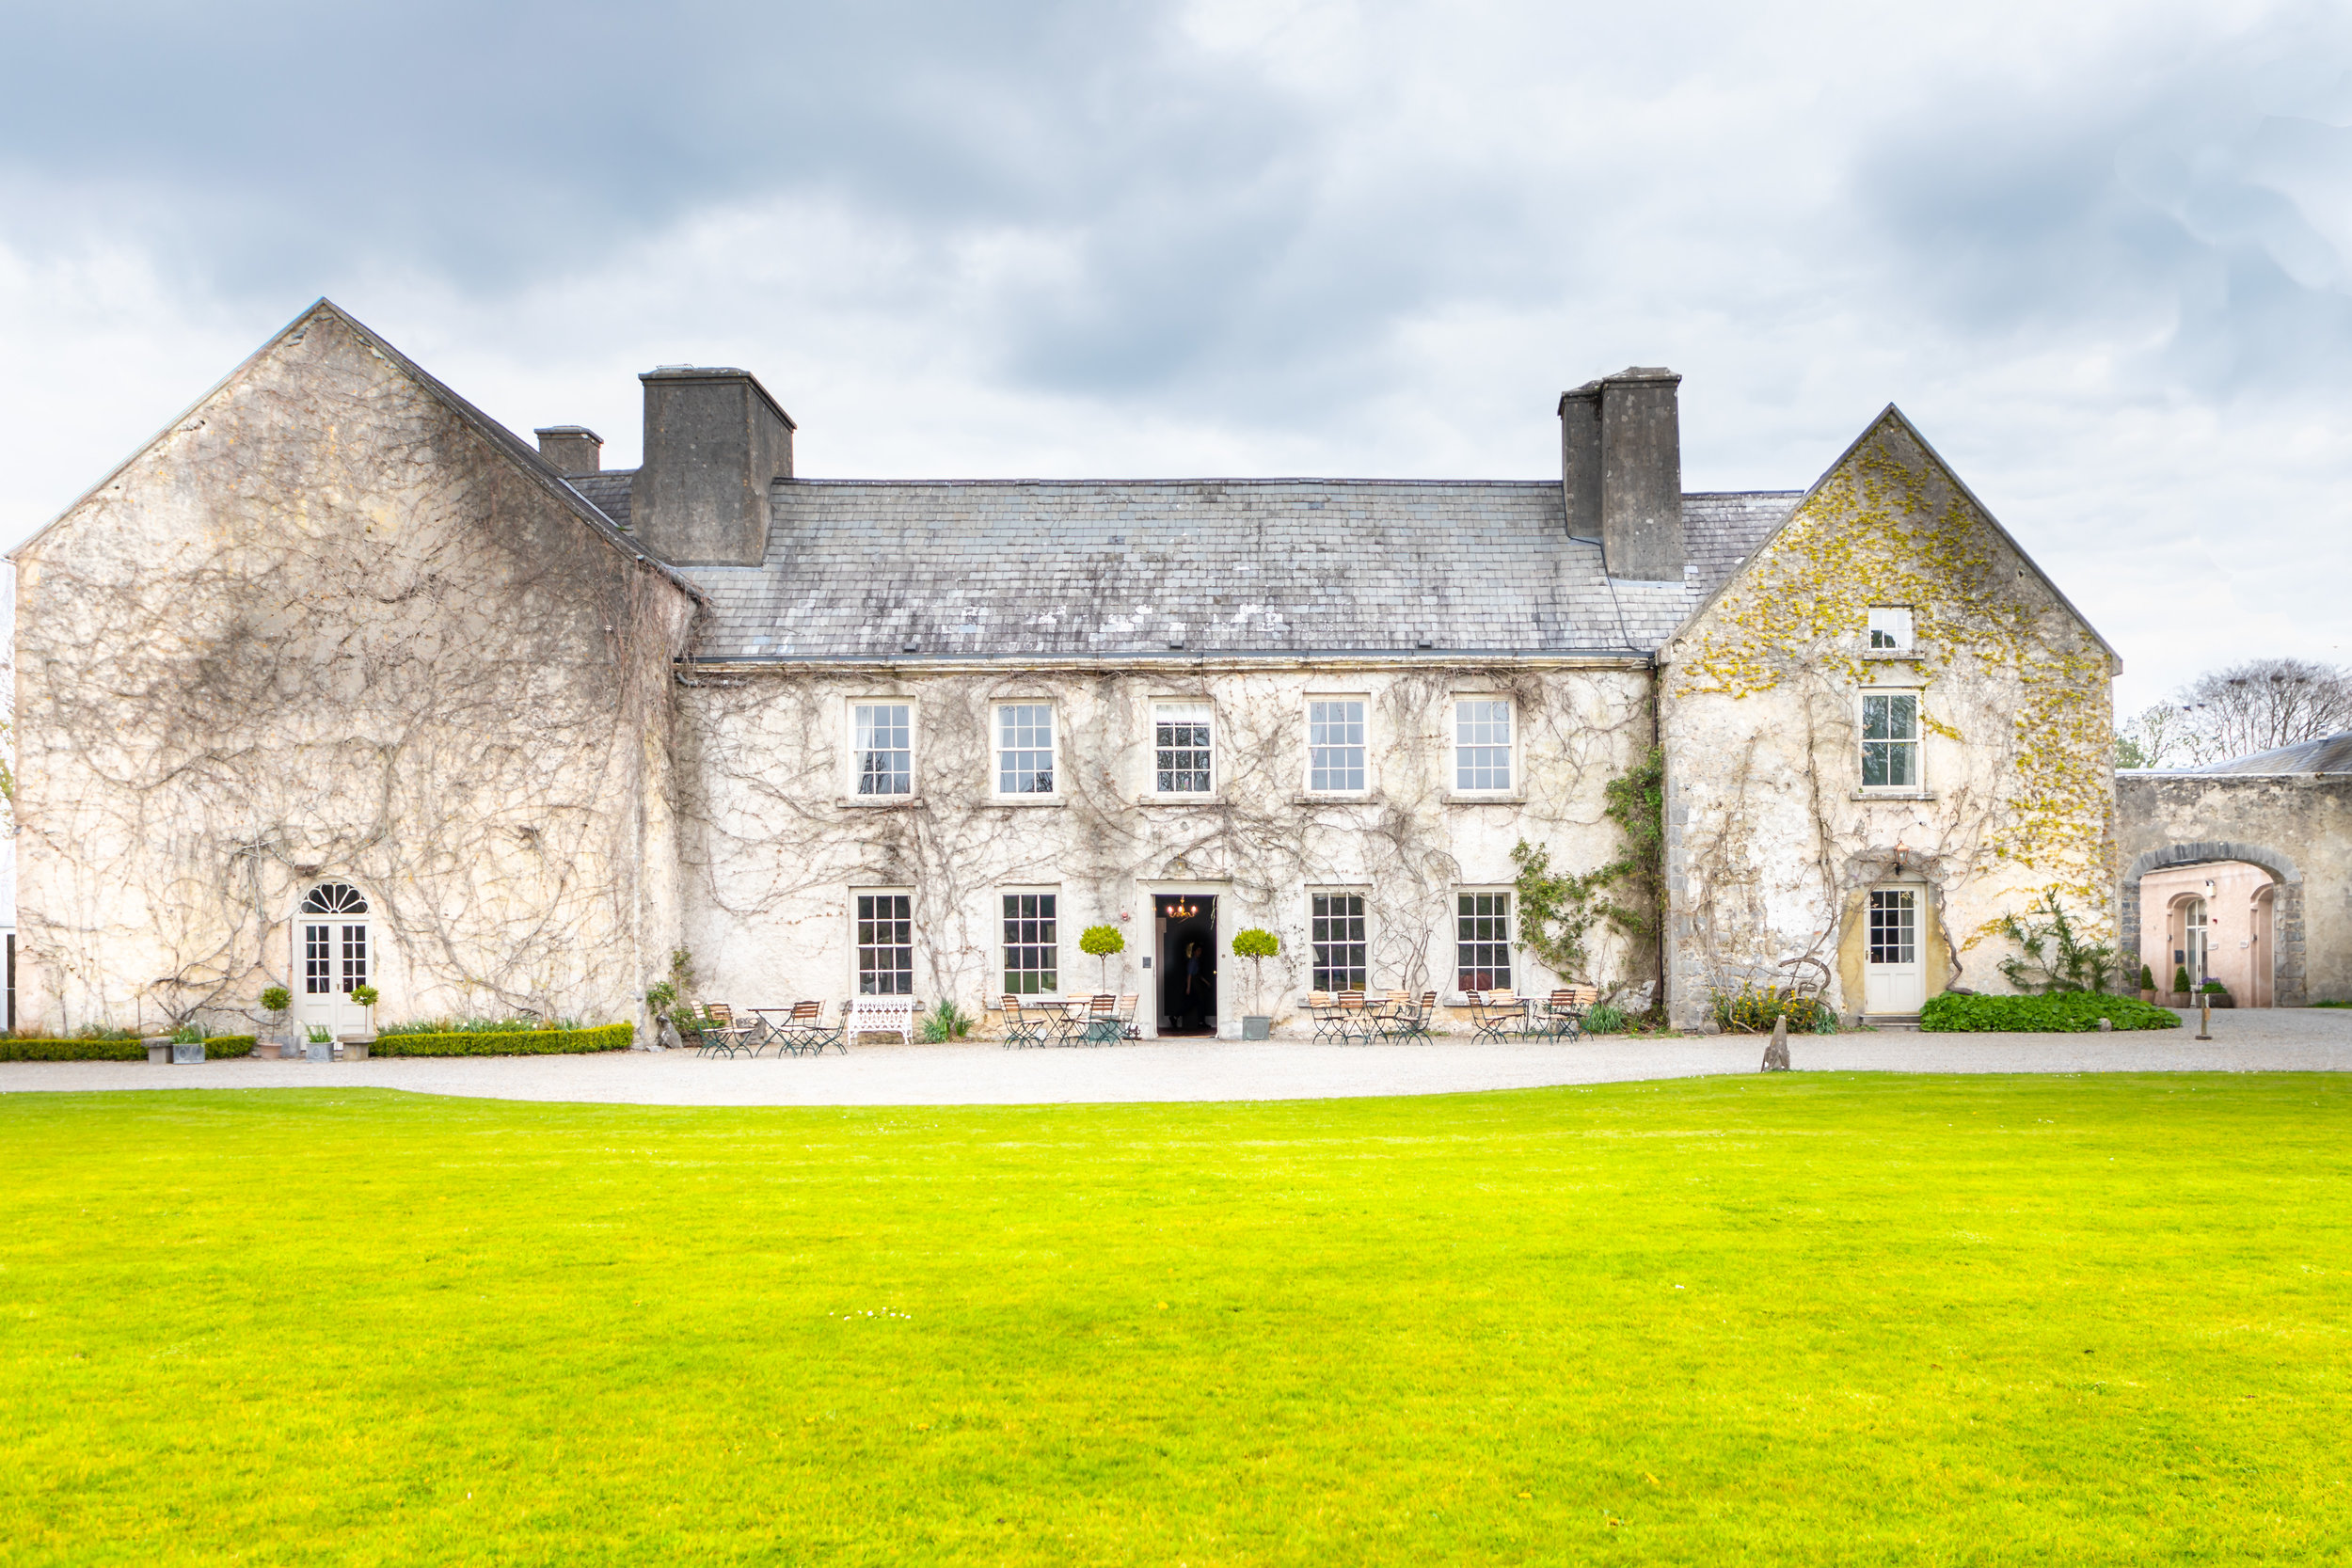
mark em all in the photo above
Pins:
pixel 886 945
pixel 1336 922
pixel 1031 951
pixel 1482 942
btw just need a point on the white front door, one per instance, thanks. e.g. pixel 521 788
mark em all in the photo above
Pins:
pixel 334 953
pixel 1894 981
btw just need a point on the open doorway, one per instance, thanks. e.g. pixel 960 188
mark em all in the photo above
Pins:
pixel 1186 924
pixel 2211 922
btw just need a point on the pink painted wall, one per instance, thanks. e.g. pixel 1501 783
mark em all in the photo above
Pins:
pixel 2238 928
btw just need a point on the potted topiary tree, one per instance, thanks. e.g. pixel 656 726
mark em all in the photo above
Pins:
pixel 355 1046
pixel 2180 989
pixel 1103 942
pixel 1257 946
pixel 277 1002
pixel 2147 984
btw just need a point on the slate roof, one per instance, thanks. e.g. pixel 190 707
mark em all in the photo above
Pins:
pixel 859 569
pixel 2329 755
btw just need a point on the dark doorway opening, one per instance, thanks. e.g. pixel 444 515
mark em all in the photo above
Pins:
pixel 1188 963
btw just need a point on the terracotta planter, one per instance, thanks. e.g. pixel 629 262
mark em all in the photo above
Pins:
pixel 2148 996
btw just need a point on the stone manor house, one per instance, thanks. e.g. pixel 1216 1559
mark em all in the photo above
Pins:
pixel 336 679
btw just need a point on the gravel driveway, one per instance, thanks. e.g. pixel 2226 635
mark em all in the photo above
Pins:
pixel 2296 1041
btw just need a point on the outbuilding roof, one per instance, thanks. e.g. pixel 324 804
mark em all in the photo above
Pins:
pixel 876 569
pixel 2327 754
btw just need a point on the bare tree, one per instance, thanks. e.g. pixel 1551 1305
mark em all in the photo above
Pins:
pixel 2255 706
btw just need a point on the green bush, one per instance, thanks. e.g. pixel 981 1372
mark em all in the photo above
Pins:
pixel 1604 1020
pixel 478 1025
pixel 945 1023
pixel 2066 1012
pixel 89 1048
pixel 2147 978
pixel 1753 1011
pixel 2332 1004
pixel 513 1042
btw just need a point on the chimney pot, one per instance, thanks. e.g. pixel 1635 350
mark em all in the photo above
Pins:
pixel 571 449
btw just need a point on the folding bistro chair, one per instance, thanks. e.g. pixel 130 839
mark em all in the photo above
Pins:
pixel 716 1033
pixel 1357 1022
pixel 1127 1030
pixel 1023 1026
pixel 1564 1015
pixel 807 1032
pixel 1101 1025
pixel 1495 1015
pixel 1400 1018
pixel 1325 1008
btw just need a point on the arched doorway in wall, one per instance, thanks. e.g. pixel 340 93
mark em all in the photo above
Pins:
pixel 334 954
pixel 2228 912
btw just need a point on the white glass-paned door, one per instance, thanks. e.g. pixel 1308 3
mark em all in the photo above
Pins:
pixel 1894 980
pixel 334 954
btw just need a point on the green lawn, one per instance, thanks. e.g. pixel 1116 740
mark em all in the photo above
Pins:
pixel 1805 1318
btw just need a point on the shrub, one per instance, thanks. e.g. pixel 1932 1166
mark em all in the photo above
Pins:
pixel 1754 1012
pixel 2070 1012
pixel 2214 988
pixel 2332 1004
pixel 365 996
pixel 478 1025
pixel 188 1033
pixel 1257 946
pixel 1604 1020
pixel 945 1023
pixel 2180 978
pixel 86 1049
pixel 276 999
pixel 2055 958
pixel 2147 978
pixel 511 1042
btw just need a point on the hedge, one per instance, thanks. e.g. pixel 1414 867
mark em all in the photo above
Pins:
pixel 2066 1012
pixel 219 1048
pixel 520 1042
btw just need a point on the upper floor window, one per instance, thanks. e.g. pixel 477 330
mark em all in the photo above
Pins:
pixel 1181 752
pixel 1335 744
pixel 1890 628
pixel 1025 749
pixel 1482 743
pixel 886 945
pixel 884 748
pixel 1890 740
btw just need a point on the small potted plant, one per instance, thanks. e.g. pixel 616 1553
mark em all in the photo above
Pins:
pixel 2180 989
pixel 2213 993
pixel 187 1045
pixel 318 1044
pixel 1102 942
pixel 2147 984
pixel 1257 946
pixel 277 1002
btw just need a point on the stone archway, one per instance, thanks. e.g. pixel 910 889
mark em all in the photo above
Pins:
pixel 2286 913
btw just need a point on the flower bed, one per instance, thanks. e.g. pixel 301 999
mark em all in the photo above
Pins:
pixel 2069 1012
pixel 515 1043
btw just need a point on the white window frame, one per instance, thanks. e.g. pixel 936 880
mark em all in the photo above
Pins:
pixel 1510 933
pixel 857 967
pixel 1363 894
pixel 997 749
pixel 1363 701
pixel 1004 948
pixel 1894 623
pixel 1916 740
pixel 854 771
pixel 1456 746
pixel 1151 750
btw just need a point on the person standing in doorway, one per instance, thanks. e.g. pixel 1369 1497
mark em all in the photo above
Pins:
pixel 1192 985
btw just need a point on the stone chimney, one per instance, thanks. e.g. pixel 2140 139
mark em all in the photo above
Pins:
pixel 714 442
pixel 571 449
pixel 1621 472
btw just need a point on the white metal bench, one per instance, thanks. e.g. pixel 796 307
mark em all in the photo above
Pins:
pixel 879 1015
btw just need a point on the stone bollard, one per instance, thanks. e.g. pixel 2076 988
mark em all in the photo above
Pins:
pixel 1776 1054
pixel 158 1049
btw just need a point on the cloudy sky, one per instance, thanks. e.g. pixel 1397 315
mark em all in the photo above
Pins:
pixel 2101 253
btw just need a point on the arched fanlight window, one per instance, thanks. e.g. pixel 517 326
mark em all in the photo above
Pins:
pixel 334 898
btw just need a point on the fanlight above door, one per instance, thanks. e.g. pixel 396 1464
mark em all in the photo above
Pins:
pixel 334 898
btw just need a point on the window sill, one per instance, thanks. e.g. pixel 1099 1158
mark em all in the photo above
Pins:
pixel 1499 797
pixel 1028 802
pixel 1892 795
pixel 1899 656
pixel 1179 800
pixel 878 802
pixel 1333 798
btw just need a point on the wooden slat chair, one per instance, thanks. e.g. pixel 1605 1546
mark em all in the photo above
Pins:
pixel 1101 1024
pixel 1023 1026
pixel 1496 1015
pixel 1324 1010
pixel 1126 1015
pixel 1563 1017
pixel 1401 1017
pixel 1358 1023
pixel 716 1032
pixel 805 1031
